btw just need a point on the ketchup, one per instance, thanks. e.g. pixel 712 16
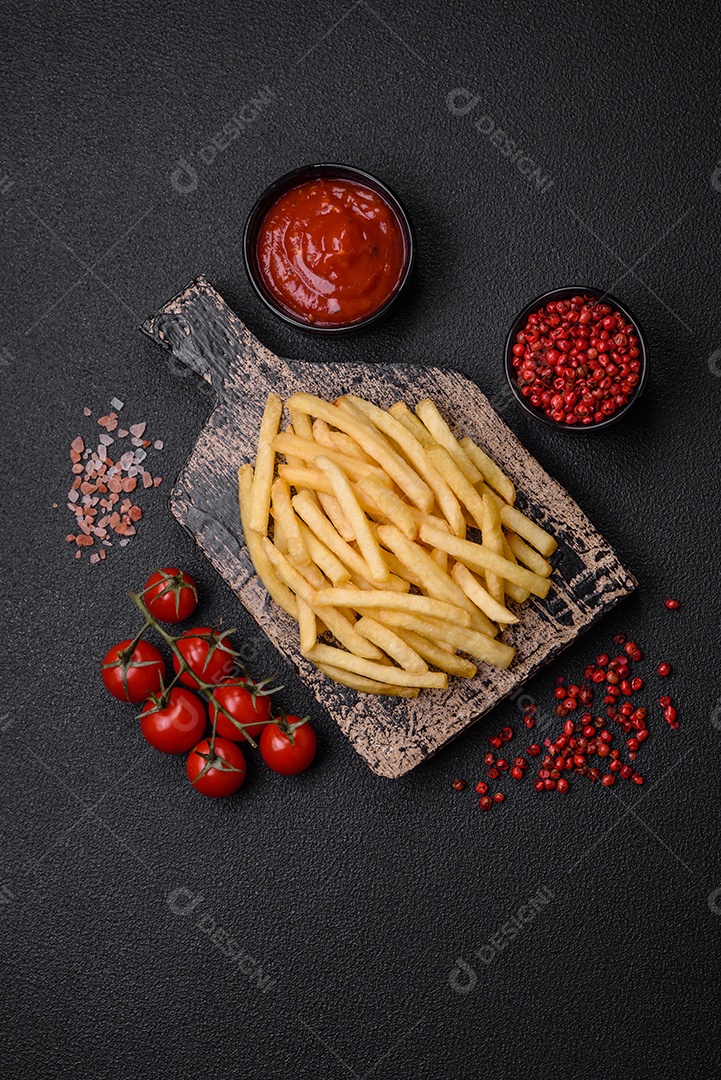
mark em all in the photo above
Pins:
pixel 331 252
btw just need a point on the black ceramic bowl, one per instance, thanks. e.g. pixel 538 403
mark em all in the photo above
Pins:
pixel 566 294
pixel 299 176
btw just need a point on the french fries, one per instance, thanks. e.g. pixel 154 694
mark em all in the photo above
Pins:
pixel 479 557
pixel 357 520
pixel 369 511
pixel 383 673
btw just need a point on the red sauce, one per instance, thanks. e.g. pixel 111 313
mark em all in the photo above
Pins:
pixel 331 252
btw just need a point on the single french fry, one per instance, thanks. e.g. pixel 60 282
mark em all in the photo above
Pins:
pixel 478 557
pixel 305 476
pixel 528 555
pixel 308 450
pixel 390 505
pixel 284 513
pixel 339 625
pixel 441 432
pixel 358 521
pixel 265 465
pixel 279 538
pixel 468 641
pixel 492 473
pixel 384 598
pixel 412 449
pixel 282 595
pixel 366 686
pixel 394 676
pixel 434 580
pixel 307 626
pixel 307 509
pixel 492 535
pixel 335 513
pixel 452 473
pixel 480 596
pixel 387 640
pixel 324 558
pixel 373 443
pixel 454 665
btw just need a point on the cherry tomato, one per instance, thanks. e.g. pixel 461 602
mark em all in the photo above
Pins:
pixel 226 772
pixel 208 653
pixel 173 722
pixel 250 710
pixel 288 746
pixel 133 677
pixel 170 595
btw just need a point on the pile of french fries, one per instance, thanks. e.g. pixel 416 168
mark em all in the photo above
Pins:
pixel 370 511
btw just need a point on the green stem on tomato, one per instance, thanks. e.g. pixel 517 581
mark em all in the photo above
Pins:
pixel 205 688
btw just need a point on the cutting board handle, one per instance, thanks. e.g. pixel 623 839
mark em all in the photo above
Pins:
pixel 204 336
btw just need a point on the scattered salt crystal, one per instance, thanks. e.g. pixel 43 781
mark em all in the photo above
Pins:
pixel 77 444
pixel 140 455
pixel 138 429
pixel 121 433
pixel 147 480
pixel 158 444
pixel 136 441
pixel 117 403
pixel 124 542
pixel 101 453
pixel 73 496
pixel 55 506
pixel 108 543
pixel 157 481
pixel 106 440
pixel 87 411
pixel 78 554
pixel 95 558
pixel 133 470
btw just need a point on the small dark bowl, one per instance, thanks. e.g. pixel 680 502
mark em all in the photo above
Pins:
pixel 566 294
pixel 299 176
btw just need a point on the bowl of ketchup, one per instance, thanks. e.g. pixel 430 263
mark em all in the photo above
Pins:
pixel 328 248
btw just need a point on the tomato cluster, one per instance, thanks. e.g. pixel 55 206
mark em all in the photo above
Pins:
pixel 174 719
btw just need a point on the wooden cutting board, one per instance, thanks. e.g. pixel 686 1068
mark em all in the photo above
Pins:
pixel 393 735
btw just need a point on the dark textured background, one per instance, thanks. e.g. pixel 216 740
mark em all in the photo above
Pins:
pixel 356 895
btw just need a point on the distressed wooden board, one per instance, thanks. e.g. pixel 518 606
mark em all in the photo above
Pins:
pixel 393 735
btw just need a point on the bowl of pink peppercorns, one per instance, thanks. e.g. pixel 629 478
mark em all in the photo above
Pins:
pixel 576 359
